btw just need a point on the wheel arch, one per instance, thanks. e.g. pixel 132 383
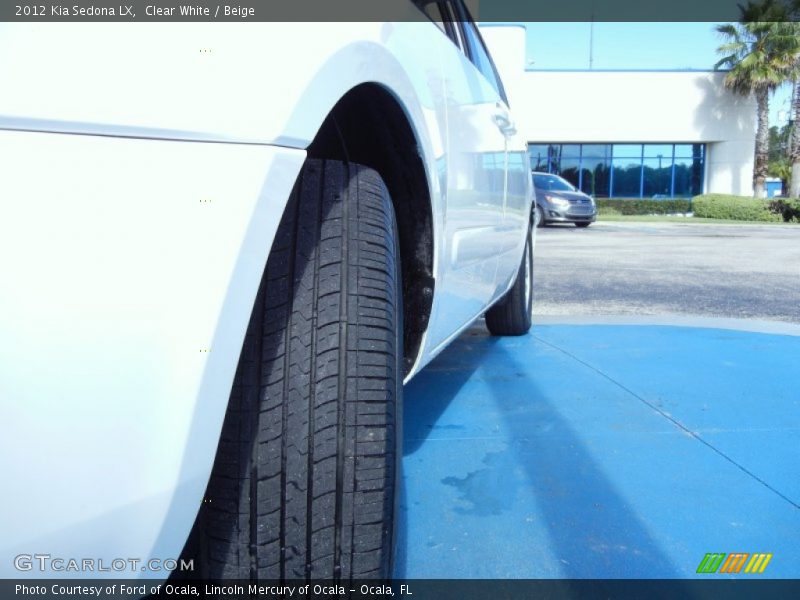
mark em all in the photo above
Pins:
pixel 369 126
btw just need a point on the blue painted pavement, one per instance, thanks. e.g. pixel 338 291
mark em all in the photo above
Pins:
pixel 602 451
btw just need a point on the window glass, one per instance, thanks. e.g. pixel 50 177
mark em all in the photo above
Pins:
pixel 595 169
pixel 441 15
pixel 627 178
pixel 570 150
pixel 591 168
pixel 657 175
pixel 433 12
pixel 656 150
pixel 627 150
pixel 601 151
pixel 564 160
pixel 538 154
pixel 569 169
pixel 551 183
pixel 596 178
pixel 478 53
pixel 688 177
pixel 689 150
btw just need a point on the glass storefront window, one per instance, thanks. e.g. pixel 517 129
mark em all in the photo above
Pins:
pixel 596 170
pixel 602 151
pixel 627 151
pixel 570 170
pixel 688 177
pixel 570 151
pixel 657 174
pixel 595 178
pixel 625 170
pixel 656 150
pixel 689 150
pixel 627 178
pixel 538 154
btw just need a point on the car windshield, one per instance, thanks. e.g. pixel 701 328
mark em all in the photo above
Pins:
pixel 552 183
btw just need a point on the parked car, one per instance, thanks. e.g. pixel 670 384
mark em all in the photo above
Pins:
pixel 558 201
pixel 220 268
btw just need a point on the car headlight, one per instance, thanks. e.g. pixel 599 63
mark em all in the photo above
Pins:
pixel 557 200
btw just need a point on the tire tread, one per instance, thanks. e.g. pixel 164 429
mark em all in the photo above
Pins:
pixel 303 484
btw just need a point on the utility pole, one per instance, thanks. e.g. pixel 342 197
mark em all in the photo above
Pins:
pixel 591 36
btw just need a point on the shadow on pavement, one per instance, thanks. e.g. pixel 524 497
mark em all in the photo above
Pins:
pixel 592 531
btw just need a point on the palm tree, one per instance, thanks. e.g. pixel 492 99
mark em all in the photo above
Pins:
pixel 794 143
pixel 761 55
pixel 788 11
pixel 794 138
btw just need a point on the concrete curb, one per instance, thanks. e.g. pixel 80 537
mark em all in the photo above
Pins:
pixel 751 325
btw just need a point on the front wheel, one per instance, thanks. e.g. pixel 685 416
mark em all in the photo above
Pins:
pixel 512 313
pixel 303 484
pixel 538 217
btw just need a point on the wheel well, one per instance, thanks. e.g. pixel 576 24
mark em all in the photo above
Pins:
pixel 368 126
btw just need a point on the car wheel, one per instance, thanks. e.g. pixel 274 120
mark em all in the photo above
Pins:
pixel 538 217
pixel 582 225
pixel 303 484
pixel 512 313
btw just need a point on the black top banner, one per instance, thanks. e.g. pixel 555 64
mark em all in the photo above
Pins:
pixel 496 11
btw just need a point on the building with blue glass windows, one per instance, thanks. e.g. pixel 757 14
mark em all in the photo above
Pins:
pixel 629 134
pixel 653 170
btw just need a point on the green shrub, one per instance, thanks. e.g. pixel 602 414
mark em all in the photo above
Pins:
pixel 788 208
pixel 642 206
pixel 737 208
pixel 607 211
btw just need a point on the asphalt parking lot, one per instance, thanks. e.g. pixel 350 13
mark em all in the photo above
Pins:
pixel 639 268
pixel 625 436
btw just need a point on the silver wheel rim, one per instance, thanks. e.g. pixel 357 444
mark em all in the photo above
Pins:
pixel 537 216
pixel 528 270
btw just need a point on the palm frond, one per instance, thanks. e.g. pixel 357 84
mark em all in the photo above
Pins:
pixel 729 30
pixel 760 54
pixel 725 62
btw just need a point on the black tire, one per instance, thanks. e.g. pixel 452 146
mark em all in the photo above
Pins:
pixel 305 477
pixel 539 217
pixel 582 225
pixel 512 313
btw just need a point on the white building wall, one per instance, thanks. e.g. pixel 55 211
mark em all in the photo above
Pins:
pixel 631 106
pixel 729 168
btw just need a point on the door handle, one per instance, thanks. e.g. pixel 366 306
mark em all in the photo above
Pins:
pixel 504 123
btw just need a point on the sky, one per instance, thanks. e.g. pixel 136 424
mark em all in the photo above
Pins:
pixel 633 46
